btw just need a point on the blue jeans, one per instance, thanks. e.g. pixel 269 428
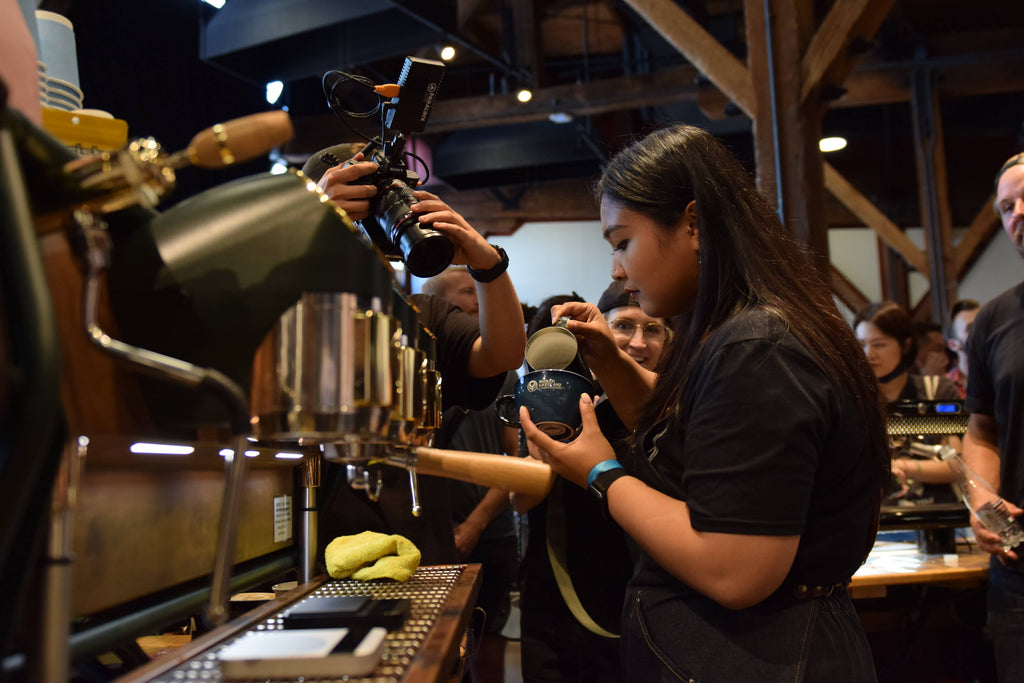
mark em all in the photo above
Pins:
pixel 1006 620
pixel 671 637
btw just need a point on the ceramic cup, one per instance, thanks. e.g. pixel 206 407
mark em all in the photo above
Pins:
pixel 553 399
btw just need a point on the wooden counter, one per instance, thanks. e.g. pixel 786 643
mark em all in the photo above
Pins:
pixel 892 563
pixel 424 650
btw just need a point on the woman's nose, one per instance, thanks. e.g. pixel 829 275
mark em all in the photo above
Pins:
pixel 618 274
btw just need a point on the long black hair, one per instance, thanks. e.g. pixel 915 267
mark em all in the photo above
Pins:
pixel 747 259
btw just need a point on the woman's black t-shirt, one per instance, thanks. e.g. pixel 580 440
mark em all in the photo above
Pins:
pixel 768 445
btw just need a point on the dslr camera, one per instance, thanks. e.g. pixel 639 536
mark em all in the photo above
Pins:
pixel 392 225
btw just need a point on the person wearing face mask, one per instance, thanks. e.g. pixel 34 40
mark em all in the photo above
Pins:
pixel 888 337
pixel 759 457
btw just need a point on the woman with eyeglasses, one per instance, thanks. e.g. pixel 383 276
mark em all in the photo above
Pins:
pixel 759 455
pixel 641 337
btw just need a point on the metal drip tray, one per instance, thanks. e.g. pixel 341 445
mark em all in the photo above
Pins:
pixel 429 590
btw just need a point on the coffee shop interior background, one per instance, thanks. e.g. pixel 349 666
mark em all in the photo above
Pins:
pixel 607 71
pixel 928 94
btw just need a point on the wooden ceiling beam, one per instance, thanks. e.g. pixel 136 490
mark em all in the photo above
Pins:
pixel 827 55
pixel 466 12
pixel 873 84
pixel 316 131
pixel 700 48
pixel 984 226
pixel 847 292
pixel 862 207
pixel 527 31
pixel 867 85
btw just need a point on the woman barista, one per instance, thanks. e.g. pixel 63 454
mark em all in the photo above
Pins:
pixel 755 481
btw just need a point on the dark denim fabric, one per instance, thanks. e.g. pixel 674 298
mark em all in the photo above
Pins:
pixel 668 637
pixel 1006 620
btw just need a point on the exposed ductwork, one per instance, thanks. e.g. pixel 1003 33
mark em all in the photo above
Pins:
pixel 267 40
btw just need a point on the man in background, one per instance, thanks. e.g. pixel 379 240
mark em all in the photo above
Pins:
pixel 485 529
pixel 961 319
pixel 933 358
pixel 994 443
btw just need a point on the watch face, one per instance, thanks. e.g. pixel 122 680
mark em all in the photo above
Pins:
pixel 601 483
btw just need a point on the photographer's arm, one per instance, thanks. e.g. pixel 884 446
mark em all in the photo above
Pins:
pixel 502 337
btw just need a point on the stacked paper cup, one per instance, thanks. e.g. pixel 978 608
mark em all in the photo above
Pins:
pixel 59 71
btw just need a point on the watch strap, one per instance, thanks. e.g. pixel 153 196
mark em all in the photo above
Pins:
pixel 599 487
pixel 495 271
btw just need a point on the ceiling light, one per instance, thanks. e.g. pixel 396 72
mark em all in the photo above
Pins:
pixel 831 144
pixel 160 449
pixel 560 117
pixel 274 90
pixel 447 53
pixel 524 95
pixel 215 3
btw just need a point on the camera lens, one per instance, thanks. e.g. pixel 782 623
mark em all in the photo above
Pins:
pixel 425 251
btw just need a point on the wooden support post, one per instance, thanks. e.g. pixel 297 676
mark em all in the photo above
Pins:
pixel 788 119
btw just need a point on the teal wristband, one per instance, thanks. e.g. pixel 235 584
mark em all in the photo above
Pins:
pixel 600 467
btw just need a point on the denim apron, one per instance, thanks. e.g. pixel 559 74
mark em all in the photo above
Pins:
pixel 673 636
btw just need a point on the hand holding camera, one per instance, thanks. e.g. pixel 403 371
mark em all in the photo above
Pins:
pixel 338 183
pixel 471 249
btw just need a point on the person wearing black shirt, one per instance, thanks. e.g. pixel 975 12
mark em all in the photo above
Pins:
pixel 474 353
pixel 994 443
pixel 759 458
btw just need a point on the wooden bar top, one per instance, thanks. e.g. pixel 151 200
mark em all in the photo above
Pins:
pixel 895 562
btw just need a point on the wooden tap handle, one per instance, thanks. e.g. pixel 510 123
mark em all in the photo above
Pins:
pixel 522 475
pixel 240 139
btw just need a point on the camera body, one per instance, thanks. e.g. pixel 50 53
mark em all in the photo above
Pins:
pixel 392 224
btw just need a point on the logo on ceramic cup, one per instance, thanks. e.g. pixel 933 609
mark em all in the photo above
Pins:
pixel 536 385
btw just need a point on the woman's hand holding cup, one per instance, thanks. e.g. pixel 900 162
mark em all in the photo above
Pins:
pixel 575 459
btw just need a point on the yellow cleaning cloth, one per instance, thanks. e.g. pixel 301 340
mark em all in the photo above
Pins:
pixel 371 555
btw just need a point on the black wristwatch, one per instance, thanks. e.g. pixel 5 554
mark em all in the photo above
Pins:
pixel 495 271
pixel 599 487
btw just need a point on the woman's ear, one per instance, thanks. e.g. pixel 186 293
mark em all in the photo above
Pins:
pixel 690 218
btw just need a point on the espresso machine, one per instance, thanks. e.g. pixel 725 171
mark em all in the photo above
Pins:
pixel 253 315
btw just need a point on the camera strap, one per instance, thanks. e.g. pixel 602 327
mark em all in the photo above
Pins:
pixel 557 557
